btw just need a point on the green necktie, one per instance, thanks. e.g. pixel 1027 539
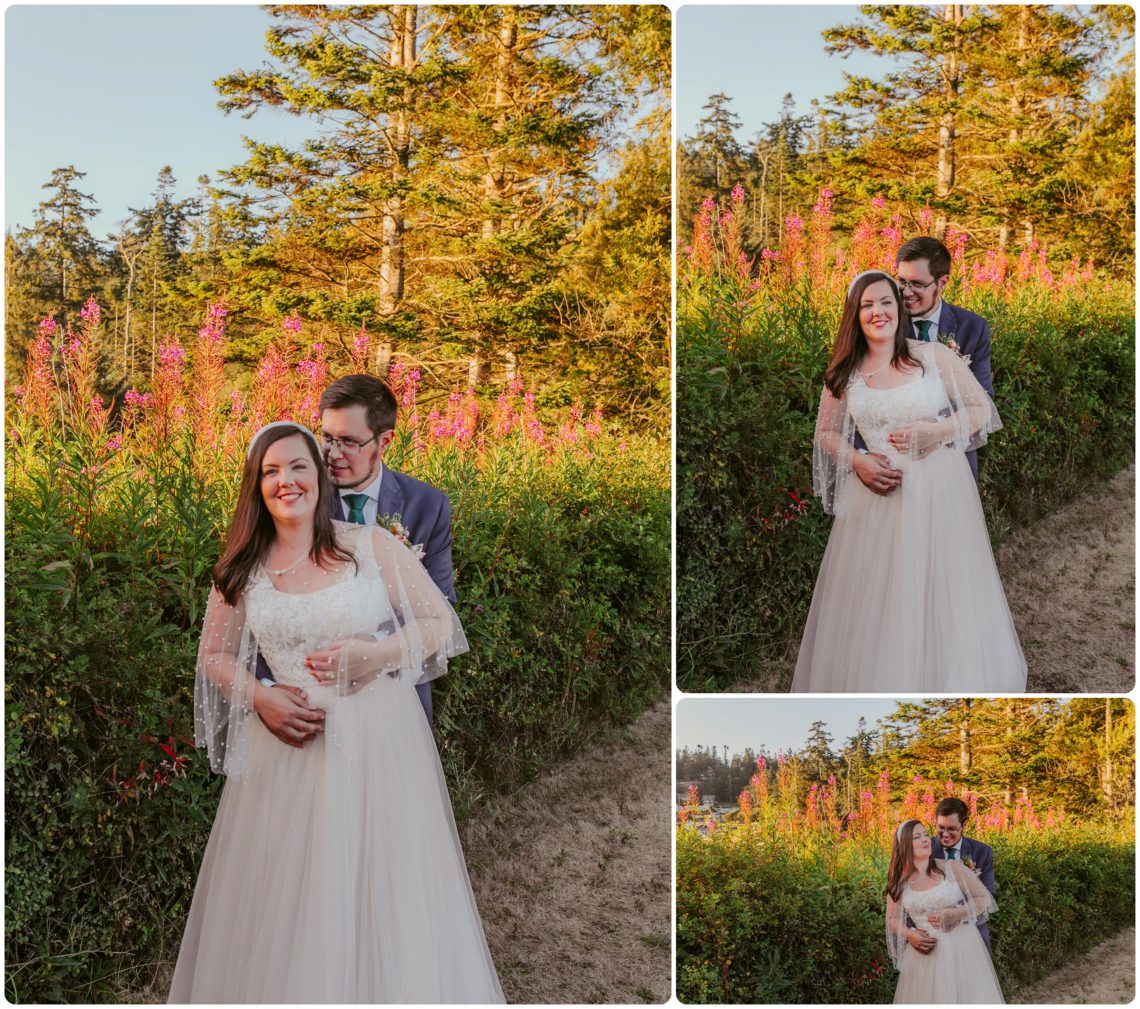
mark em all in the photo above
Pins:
pixel 356 507
pixel 924 329
pixel 951 853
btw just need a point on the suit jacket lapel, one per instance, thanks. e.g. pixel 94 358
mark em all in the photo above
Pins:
pixel 390 501
pixel 948 322
pixel 337 508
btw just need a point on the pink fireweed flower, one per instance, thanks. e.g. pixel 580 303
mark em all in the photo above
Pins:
pixel 737 193
pixel 47 328
pixel 794 225
pixel 90 312
pixel 505 419
pixel 411 385
pixel 114 443
pixel 878 202
pixel 359 352
pixel 214 329
pixel 291 323
pixel 594 424
pixel 171 355
pixel 925 217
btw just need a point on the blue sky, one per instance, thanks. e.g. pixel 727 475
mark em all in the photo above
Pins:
pixel 755 55
pixel 120 91
pixel 774 723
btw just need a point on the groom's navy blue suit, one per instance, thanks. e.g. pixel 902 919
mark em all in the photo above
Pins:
pixel 425 512
pixel 972 334
pixel 982 855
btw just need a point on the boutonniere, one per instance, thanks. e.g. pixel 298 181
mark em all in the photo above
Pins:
pixel 970 864
pixel 397 528
pixel 948 340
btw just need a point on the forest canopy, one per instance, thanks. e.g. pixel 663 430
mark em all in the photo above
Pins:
pixel 485 191
pixel 1015 123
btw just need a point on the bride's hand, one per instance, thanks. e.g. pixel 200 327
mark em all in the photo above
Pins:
pixel 946 920
pixel 921 437
pixel 346 664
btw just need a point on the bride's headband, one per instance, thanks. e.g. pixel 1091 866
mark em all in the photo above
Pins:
pixel 865 273
pixel 301 429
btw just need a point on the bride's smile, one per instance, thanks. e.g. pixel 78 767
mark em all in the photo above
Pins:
pixel 289 480
pixel 878 313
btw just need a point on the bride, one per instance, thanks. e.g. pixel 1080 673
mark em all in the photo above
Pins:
pixel 908 597
pixel 935 905
pixel 333 872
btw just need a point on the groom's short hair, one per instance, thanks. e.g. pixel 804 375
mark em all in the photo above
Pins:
pixel 930 249
pixel 366 391
pixel 953 806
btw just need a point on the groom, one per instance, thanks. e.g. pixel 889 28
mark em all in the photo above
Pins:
pixel 922 269
pixel 358 421
pixel 950 817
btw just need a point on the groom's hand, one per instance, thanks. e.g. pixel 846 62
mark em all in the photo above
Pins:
pixel 921 940
pixel 285 712
pixel 875 471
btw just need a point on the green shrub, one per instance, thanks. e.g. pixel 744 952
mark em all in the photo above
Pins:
pixel 760 922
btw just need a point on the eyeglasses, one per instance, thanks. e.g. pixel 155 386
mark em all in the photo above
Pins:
pixel 349 446
pixel 917 285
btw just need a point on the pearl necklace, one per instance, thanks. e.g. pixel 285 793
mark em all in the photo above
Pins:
pixel 866 375
pixel 285 571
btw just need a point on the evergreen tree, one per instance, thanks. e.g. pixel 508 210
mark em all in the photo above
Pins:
pixel 60 252
pixel 712 161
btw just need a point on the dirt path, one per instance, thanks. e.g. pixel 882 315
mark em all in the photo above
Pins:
pixel 572 874
pixel 1105 975
pixel 1071 584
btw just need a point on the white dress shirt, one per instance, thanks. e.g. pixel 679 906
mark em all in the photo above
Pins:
pixel 372 505
pixel 933 316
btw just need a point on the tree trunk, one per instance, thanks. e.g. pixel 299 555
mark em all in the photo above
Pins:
pixel 947 122
pixel 494 181
pixel 383 357
pixel 965 749
pixel 1016 105
pixel 1106 774
pixel 402 56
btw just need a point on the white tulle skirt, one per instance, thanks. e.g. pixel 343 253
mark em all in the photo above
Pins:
pixel 958 971
pixel 334 873
pixel 908 598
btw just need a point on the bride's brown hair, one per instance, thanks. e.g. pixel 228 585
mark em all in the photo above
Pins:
pixel 902 860
pixel 850 343
pixel 252 532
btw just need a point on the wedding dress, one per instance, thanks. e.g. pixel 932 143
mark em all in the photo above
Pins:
pixel 959 970
pixel 908 598
pixel 334 872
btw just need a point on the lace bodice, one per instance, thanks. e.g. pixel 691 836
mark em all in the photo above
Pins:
pixel 878 412
pixel 289 626
pixel 920 903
